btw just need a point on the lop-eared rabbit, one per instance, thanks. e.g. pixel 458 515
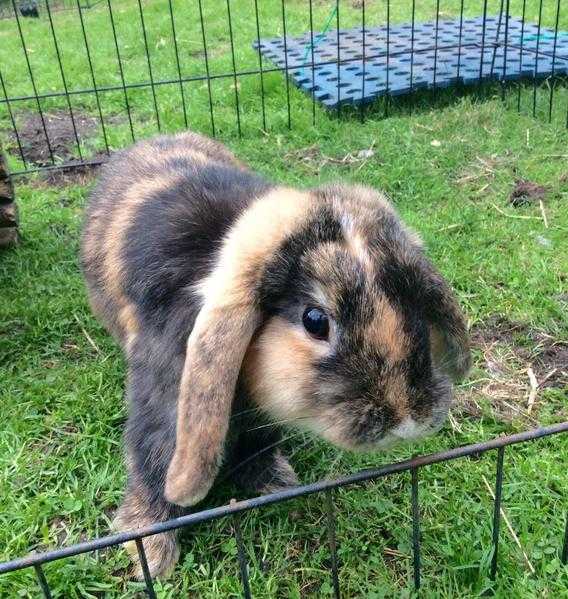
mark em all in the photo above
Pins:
pixel 244 307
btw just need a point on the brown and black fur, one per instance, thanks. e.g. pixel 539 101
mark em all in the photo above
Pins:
pixel 201 269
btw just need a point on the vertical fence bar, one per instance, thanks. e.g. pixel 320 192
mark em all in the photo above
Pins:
pixel 482 43
pixel 330 511
pixel 13 120
pixel 552 82
pixel 437 28
pixel 364 64
pixel 496 41
pixel 286 65
pixel 412 33
pixel 241 553
pixel 145 570
pixel 460 42
pixel 521 55
pixel 178 64
pixel 497 511
pixel 32 80
pixel 63 80
pixel 149 62
pixel 338 58
pixel 311 14
pixel 564 553
pixel 415 528
pixel 535 80
pixel 388 61
pixel 42 580
pixel 120 69
pixel 235 80
pixel 505 48
pixel 206 59
pixel 261 66
pixel 92 71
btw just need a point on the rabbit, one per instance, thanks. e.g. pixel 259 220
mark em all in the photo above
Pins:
pixel 237 301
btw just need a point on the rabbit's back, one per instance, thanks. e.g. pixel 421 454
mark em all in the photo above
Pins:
pixel 153 226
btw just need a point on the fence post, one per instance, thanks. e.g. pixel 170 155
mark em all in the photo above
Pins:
pixel 8 208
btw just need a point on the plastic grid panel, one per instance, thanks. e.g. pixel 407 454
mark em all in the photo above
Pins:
pixel 426 57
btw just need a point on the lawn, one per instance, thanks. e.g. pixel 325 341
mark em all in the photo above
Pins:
pixel 450 165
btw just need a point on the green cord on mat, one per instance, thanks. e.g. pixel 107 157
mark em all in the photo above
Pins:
pixel 319 37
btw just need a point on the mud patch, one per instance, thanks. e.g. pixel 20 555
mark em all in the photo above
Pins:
pixel 60 132
pixel 526 192
pixel 63 134
pixel 517 363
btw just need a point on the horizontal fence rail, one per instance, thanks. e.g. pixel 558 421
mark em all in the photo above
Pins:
pixel 359 59
pixel 327 487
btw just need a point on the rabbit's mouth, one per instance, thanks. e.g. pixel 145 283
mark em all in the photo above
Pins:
pixel 377 436
pixel 412 430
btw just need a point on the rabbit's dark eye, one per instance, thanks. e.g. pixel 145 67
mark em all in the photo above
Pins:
pixel 316 323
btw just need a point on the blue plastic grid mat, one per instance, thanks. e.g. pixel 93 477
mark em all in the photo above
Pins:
pixel 426 56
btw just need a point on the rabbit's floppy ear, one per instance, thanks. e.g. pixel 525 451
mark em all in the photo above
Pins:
pixel 220 337
pixel 450 339
pixel 408 274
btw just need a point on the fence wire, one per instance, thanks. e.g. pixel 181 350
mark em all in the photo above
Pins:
pixel 217 63
pixel 325 487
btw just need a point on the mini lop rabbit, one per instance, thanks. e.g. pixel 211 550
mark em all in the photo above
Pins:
pixel 237 299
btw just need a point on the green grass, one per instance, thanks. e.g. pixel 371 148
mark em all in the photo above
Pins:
pixel 449 167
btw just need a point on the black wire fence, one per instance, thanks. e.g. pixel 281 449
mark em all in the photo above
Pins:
pixel 77 83
pixel 327 488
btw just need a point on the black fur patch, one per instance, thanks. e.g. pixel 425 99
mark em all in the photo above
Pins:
pixel 283 276
pixel 176 235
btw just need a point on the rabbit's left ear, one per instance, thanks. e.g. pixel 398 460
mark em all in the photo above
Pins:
pixel 219 340
pixel 450 339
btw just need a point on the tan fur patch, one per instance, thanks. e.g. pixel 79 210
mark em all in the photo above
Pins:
pixel 219 340
pixel 385 331
pixel 253 240
pixel 154 159
pixel 161 550
pixel 396 392
pixel 278 369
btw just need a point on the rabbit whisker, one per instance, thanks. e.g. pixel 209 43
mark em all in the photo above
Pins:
pixel 277 423
pixel 245 412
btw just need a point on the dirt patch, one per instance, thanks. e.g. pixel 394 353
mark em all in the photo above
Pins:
pixel 60 132
pixel 526 192
pixel 63 135
pixel 518 364
pixel 547 356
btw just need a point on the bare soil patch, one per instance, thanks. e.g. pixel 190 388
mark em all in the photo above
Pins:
pixel 519 363
pixel 62 133
pixel 526 192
